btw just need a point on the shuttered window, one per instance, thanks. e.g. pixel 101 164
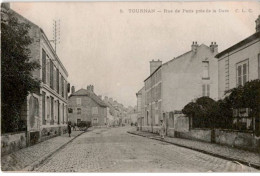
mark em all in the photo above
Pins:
pixel 43 66
pixel 58 80
pixel 205 90
pixel 51 74
pixel 242 73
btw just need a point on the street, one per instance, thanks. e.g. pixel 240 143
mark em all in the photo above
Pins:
pixel 114 150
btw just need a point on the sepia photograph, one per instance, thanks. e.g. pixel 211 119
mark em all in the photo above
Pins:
pixel 130 87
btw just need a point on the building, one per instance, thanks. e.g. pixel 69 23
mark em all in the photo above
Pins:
pixel 140 95
pixel 237 65
pixel 172 85
pixel 45 111
pixel 85 105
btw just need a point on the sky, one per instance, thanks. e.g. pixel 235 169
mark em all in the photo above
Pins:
pixel 109 44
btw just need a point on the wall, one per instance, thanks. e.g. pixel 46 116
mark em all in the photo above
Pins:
pixel 237 139
pixel 196 134
pixel 249 51
pixel 182 78
pixel 11 142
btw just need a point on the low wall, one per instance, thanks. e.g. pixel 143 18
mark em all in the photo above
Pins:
pixel 50 132
pixel 11 142
pixel 195 134
pixel 237 139
pixel 170 132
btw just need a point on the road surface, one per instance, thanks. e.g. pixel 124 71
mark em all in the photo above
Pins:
pixel 114 150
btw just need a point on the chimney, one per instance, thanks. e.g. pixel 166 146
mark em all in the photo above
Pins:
pixel 6 5
pixel 257 22
pixel 213 47
pixel 111 100
pixel 154 65
pixel 100 96
pixel 73 89
pixel 90 88
pixel 194 47
pixel 106 99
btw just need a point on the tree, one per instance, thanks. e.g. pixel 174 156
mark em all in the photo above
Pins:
pixel 16 70
pixel 202 112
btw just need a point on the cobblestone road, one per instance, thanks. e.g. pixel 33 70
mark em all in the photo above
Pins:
pixel 114 150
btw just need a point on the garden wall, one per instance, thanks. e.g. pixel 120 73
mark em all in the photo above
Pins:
pixel 238 139
pixel 11 142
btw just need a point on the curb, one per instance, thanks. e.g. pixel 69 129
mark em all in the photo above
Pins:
pixel 256 166
pixel 35 164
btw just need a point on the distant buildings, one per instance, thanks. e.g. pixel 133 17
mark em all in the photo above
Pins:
pixel 140 107
pixel 85 105
pixel 45 112
pixel 170 86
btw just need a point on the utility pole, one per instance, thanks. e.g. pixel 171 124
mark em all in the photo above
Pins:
pixel 56 34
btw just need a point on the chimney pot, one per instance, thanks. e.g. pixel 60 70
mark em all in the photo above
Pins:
pixel 73 89
pixel 257 21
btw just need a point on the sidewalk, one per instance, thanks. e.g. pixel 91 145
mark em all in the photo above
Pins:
pixel 28 158
pixel 245 157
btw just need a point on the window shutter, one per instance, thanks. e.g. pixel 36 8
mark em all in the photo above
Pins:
pixel 208 90
pixel 239 74
pixel 48 72
pixel 43 66
pixel 203 90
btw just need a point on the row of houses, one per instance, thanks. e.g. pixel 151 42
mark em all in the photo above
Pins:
pixel 202 71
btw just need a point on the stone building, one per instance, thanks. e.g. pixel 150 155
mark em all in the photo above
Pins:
pixel 170 86
pixel 85 105
pixel 140 95
pixel 45 112
pixel 237 65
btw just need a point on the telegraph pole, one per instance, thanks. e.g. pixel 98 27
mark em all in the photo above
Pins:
pixel 56 34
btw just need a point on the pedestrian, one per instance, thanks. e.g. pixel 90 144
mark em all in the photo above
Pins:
pixel 69 129
pixel 162 130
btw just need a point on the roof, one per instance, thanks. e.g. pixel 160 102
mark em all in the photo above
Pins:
pixel 239 44
pixel 173 60
pixel 92 95
pixel 153 72
pixel 44 35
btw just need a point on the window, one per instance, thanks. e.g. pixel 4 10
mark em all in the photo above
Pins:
pixel 95 121
pixel 62 86
pixel 51 74
pixel 43 108
pixel 205 74
pixel 242 73
pixel 70 110
pixel 43 66
pixel 58 80
pixel 78 110
pixel 52 108
pixel 78 101
pixel 94 110
pixel 205 90
pixel 258 66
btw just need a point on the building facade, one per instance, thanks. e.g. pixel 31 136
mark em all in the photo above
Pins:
pixel 140 95
pixel 85 105
pixel 179 81
pixel 45 111
pixel 239 64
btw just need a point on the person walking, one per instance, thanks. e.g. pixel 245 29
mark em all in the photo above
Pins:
pixel 69 129
pixel 162 130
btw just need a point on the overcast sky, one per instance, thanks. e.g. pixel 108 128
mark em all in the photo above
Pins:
pixel 111 50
